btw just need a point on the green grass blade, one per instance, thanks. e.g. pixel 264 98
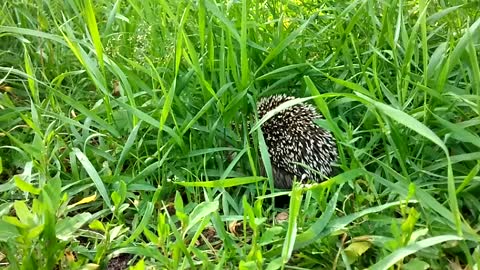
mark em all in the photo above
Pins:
pixel 93 27
pixel 146 215
pixel 92 172
pixel 399 254
pixel 243 47
pixel 126 148
pixel 311 234
pixel 294 211
pixel 285 42
pixel 471 34
pixel 224 183
pixel 29 71
pixel 212 7
pixel 407 120
pixel 78 106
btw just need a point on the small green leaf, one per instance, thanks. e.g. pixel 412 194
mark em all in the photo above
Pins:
pixel 23 213
pixel 116 231
pixel 116 199
pixel 250 265
pixel 212 7
pixel 126 148
pixel 459 133
pixel 93 27
pixel 139 266
pixel 270 235
pixel 15 221
pixel 151 236
pixel 275 264
pixel 178 203
pixel 356 249
pixel 35 231
pixel 200 212
pixel 97 225
pixel 24 186
pixel 416 264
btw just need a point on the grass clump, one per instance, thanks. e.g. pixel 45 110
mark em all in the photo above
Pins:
pixel 125 134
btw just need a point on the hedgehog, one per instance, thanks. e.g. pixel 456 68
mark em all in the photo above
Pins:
pixel 297 146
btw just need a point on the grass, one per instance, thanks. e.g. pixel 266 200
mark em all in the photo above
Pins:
pixel 128 128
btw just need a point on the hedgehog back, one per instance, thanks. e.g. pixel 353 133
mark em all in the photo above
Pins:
pixel 294 141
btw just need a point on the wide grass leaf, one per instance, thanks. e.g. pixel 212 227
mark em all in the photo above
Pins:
pixel 406 120
pixel 401 253
pixel 92 172
pixel 200 212
pixel 66 228
pixel 459 133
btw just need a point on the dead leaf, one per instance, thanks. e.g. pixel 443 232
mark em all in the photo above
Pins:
pixel 116 88
pixel 70 256
pixel 84 201
pixel 233 227
pixel 281 217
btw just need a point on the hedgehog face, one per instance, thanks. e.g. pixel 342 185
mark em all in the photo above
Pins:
pixel 293 138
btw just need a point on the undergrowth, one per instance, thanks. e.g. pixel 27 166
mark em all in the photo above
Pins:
pixel 128 134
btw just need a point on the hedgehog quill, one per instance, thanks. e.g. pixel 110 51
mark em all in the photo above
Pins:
pixel 297 146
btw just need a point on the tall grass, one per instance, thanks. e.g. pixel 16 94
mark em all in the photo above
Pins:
pixel 128 128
